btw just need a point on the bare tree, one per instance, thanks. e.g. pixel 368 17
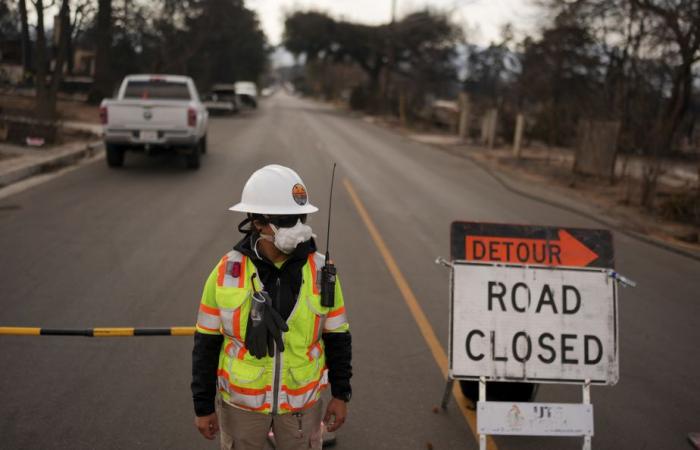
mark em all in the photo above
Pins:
pixel 46 95
pixel 26 41
pixel 103 81
pixel 678 25
pixel 83 11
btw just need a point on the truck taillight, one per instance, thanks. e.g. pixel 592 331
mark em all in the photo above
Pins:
pixel 191 117
pixel 103 115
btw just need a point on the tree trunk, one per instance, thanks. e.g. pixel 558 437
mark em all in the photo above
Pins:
pixel 43 107
pixel 60 59
pixel 26 41
pixel 102 83
pixel 46 95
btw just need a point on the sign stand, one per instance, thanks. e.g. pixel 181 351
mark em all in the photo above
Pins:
pixel 586 388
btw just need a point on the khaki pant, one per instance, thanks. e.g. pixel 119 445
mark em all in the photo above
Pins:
pixel 246 430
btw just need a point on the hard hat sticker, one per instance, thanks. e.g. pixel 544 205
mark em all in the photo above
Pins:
pixel 299 194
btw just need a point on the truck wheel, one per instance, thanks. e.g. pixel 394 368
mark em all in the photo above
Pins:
pixel 203 144
pixel 115 155
pixel 192 158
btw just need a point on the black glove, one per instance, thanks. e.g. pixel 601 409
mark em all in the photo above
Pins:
pixel 265 327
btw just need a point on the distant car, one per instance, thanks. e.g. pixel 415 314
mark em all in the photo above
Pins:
pixel 247 93
pixel 155 113
pixel 222 99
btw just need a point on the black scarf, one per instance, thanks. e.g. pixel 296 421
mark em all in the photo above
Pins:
pixel 287 277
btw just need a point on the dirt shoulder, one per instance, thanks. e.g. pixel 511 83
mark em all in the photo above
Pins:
pixel 614 203
pixel 70 109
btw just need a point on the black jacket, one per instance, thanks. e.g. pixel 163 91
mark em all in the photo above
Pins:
pixel 205 354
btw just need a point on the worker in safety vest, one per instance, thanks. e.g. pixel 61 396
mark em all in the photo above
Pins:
pixel 263 339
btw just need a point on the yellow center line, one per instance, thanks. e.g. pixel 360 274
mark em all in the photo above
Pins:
pixel 418 315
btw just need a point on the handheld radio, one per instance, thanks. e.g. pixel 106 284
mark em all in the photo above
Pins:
pixel 328 271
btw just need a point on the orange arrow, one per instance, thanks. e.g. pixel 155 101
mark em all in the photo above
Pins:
pixel 567 251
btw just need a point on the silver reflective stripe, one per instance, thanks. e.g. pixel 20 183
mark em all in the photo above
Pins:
pixel 247 400
pixel 315 352
pixel 336 322
pixel 321 327
pixel 208 321
pixel 301 400
pixel 319 260
pixel 233 349
pixel 223 384
pixel 227 320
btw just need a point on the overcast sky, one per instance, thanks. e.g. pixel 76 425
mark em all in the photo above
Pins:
pixel 482 19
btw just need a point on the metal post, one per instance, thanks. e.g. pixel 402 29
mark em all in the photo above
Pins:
pixel 446 394
pixel 482 398
pixel 587 401
pixel 463 116
pixel 517 141
pixel 493 121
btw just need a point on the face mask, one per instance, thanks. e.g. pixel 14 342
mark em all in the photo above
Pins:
pixel 287 239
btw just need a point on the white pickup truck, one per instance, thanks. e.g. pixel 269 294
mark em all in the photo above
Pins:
pixel 153 113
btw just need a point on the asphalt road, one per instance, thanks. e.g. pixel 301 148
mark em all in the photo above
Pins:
pixel 132 247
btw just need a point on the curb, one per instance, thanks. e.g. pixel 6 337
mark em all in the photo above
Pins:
pixel 64 157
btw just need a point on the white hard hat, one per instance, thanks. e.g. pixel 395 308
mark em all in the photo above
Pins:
pixel 275 190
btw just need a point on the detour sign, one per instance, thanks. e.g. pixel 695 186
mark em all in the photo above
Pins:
pixel 530 244
pixel 532 304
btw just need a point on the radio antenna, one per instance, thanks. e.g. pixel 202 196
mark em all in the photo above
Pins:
pixel 328 271
pixel 330 207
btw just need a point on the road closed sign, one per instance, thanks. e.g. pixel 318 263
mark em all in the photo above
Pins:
pixel 533 304
pixel 533 324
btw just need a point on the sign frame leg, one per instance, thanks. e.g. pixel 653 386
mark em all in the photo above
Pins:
pixel 587 401
pixel 482 398
pixel 447 394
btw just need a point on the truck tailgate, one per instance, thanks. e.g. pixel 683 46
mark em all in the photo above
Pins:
pixel 147 115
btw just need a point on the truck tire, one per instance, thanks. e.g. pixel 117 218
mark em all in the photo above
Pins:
pixel 192 158
pixel 203 144
pixel 115 155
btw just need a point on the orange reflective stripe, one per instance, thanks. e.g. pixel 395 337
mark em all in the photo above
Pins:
pixel 241 278
pixel 207 328
pixel 222 271
pixel 301 390
pixel 337 312
pixel 260 408
pixel 317 323
pixel 249 391
pixel 237 324
pixel 289 407
pixel 242 390
pixel 312 267
pixel 209 309
pixel 241 352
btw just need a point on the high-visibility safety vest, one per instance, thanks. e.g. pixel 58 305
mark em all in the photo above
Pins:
pixel 290 381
